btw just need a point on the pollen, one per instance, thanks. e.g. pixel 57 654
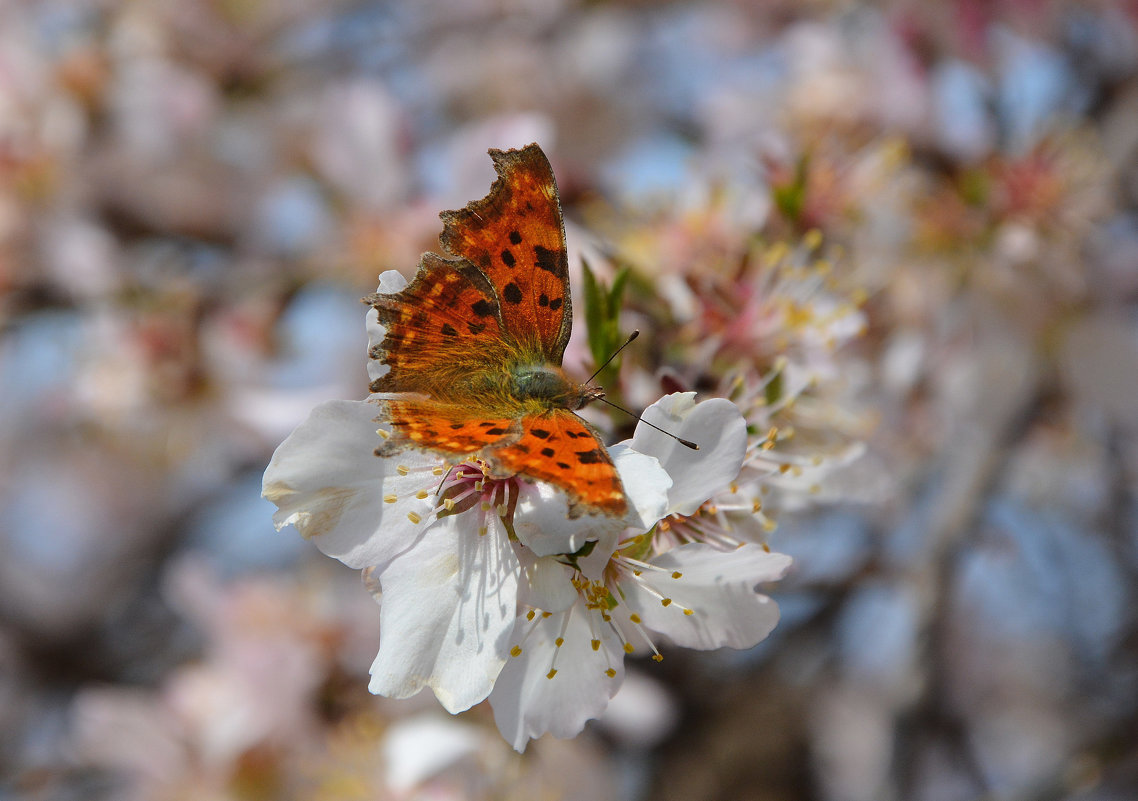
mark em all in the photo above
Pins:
pixel 657 657
pixel 516 651
pixel 628 648
pixel 482 531
pixel 552 672
pixel 448 504
pixel 559 641
pixel 383 433
pixel 390 498
pixel 610 673
pixel 677 574
pixel 530 614
pixel 635 618
pixel 421 494
pixel 402 469
pixel 688 612
pixel 546 614
pixel 438 471
pixel 665 602
pixel 414 518
pixel 596 645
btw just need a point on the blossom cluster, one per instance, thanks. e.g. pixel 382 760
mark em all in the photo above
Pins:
pixel 490 590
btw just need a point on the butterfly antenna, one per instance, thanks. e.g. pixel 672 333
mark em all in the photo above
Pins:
pixel 615 353
pixel 687 443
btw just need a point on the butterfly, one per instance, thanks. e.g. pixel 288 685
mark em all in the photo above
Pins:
pixel 474 345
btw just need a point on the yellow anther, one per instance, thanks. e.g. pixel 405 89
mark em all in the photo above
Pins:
pixel 414 518
pixel 552 672
pixel 677 574
pixel 421 494
pixel 610 673
pixel 635 618
pixel 665 602
pixel 657 657
pixel 402 469
pixel 628 648
pixel 688 612
pixel 516 651
pixel 559 641
pixel 596 645
pixel 390 498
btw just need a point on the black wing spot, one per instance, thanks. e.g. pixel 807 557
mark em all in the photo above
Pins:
pixel 515 238
pixel 547 451
pixel 543 300
pixel 511 293
pixel 457 426
pixel 555 304
pixel 548 260
pixel 486 424
pixel 590 457
pixel 563 466
pixel 483 308
pixel 448 330
pixel 494 432
pixel 540 433
pixel 476 328
pixel 519 446
pixel 508 258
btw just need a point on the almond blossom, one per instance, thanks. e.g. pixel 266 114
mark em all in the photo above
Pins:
pixel 580 614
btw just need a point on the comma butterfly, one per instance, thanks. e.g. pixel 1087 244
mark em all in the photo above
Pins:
pixel 474 344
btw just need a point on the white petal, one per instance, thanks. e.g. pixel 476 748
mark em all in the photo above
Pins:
pixel 419 749
pixel 545 584
pixel 390 282
pixel 646 484
pixel 448 609
pixel 716 425
pixel 327 481
pixel 542 522
pixel 719 588
pixel 528 701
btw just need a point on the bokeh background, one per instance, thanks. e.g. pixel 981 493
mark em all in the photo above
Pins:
pixel 194 195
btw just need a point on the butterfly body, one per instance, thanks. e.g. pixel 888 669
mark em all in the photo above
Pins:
pixel 474 345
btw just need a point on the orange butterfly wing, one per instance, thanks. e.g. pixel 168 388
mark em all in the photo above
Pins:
pixel 447 428
pixel 561 448
pixel 515 236
pixel 439 327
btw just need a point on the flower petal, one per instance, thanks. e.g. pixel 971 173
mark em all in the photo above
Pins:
pixel 716 425
pixel 326 480
pixel 646 484
pixel 719 589
pixel 449 606
pixel 557 688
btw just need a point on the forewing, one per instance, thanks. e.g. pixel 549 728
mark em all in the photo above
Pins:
pixel 440 327
pixel 560 448
pixel 445 428
pixel 516 237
